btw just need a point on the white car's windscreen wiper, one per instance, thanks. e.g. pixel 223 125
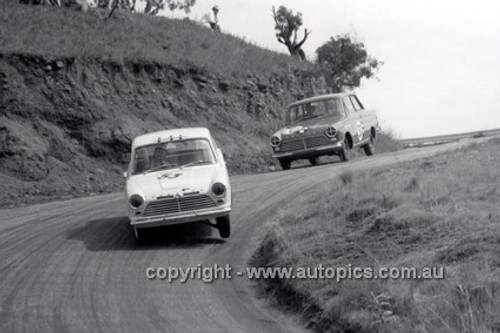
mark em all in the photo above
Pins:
pixel 309 116
pixel 159 167
pixel 193 163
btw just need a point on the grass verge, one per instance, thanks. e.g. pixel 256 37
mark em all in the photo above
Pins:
pixel 387 141
pixel 435 212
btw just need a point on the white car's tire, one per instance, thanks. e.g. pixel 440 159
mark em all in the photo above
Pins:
pixel 223 224
pixel 139 234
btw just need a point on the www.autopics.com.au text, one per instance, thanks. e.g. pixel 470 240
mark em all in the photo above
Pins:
pixel 225 272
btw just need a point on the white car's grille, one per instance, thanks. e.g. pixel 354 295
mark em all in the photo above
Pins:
pixel 176 205
pixel 304 143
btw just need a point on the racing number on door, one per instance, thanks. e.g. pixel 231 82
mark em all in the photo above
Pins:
pixel 360 128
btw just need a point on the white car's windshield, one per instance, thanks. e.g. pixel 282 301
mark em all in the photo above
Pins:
pixel 173 154
pixel 317 109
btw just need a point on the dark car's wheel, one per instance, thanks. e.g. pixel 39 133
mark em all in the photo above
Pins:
pixel 313 160
pixel 369 148
pixel 223 223
pixel 345 153
pixel 285 164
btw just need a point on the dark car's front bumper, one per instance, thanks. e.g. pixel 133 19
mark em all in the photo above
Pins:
pixel 304 147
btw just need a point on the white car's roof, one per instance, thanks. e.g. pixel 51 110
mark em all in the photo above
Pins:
pixel 320 98
pixel 175 134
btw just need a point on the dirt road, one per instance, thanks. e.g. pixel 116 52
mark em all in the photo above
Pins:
pixel 75 265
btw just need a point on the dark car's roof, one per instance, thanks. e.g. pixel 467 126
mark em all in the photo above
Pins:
pixel 320 98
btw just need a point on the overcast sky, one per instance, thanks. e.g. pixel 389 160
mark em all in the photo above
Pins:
pixel 441 71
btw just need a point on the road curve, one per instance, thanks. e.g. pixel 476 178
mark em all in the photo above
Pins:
pixel 75 266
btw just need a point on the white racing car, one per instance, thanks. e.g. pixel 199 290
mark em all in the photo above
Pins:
pixel 178 176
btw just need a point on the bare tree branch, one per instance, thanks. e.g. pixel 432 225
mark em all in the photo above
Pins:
pixel 306 33
pixel 281 40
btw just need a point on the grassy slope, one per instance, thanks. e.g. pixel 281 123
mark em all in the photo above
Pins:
pixel 46 30
pixel 440 211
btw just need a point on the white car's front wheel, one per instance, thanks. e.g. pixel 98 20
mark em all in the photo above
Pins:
pixel 224 226
pixel 139 234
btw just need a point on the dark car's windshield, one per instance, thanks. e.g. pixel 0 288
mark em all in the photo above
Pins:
pixel 167 155
pixel 317 109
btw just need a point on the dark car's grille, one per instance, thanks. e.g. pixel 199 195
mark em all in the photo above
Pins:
pixel 176 205
pixel 317 141
pixel 304 143
pixel 292 144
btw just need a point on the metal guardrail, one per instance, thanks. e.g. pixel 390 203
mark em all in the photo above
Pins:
pixel 436 140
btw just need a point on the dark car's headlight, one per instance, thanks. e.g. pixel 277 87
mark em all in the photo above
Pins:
pixel 218 189
pixel 331 132
pixel 135 201
pixel 275 141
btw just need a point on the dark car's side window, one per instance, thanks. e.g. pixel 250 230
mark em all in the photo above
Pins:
pixel 348 105
pixel 356 103
pixel 296 112
pixel 332 108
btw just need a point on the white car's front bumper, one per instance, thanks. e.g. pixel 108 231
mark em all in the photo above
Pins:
pixel 180 217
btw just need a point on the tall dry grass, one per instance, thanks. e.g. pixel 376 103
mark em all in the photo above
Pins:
pixel 387 140
pixel 436 212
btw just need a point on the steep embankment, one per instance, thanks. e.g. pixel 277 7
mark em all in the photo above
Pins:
pixel 67 122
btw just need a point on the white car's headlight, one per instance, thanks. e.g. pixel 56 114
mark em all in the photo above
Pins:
pixel 218 189
pixel 136 201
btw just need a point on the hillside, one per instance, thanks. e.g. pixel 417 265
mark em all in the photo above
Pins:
pixel 75 88
pixel 60 32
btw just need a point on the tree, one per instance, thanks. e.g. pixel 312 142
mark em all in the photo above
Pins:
pixel 154 6
pixel 287 25
pixel 345 62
